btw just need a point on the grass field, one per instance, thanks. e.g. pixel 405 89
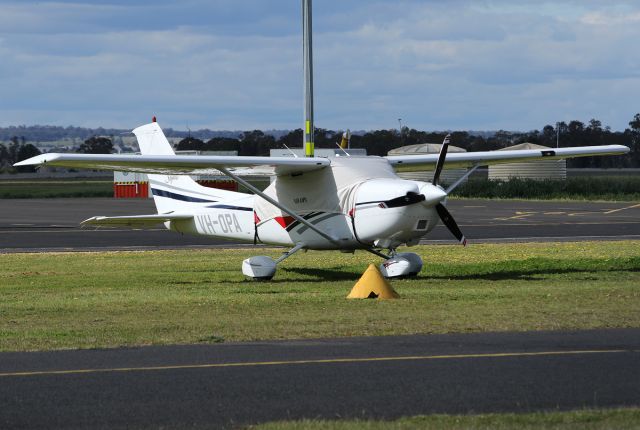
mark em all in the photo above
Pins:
pixel 619 419
pixel 87 300
pixel 609 188
pixel 53 188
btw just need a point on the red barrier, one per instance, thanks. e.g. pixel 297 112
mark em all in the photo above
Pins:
pixel 130 190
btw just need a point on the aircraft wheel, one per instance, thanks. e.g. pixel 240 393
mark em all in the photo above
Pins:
pixel 401 265
pixel 259 268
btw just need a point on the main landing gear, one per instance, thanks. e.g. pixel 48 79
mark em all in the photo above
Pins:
pixel 262 268
pixel 398 265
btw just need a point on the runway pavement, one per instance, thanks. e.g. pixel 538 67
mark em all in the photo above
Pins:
pixel 226 385
pixel 52 224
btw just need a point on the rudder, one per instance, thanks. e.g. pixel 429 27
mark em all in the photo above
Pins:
pixel 173 193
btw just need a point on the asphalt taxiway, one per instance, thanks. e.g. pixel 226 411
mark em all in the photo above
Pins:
pixel 226 385
pixel 53 224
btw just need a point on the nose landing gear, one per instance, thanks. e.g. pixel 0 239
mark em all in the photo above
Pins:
pixel 401 265
pixel 398 265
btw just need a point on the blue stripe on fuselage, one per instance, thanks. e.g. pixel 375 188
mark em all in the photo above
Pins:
pixel 235 208
pixel 170 195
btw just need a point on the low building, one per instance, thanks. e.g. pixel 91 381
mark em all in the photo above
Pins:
pixel 537 170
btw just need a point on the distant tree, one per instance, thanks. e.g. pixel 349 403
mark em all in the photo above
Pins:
pixel 548 136
pixel 4 156
pixel 576 127
pixel 256 143
pixel 25 151
pixel 635 140
pixel 594 125
pixel 222 144
pixel 635 123
pixel 293 139
pixel 190 144
pixel 476 143
pixel 323 138
pixel 378 142
pixel 96 145
pixel 13 150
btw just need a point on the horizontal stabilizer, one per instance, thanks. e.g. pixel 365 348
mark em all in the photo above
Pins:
pixel 133 220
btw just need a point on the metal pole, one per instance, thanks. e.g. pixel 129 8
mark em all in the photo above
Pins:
pixel 557 135
pixel 307 44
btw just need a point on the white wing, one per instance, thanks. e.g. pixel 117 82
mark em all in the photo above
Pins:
pixel 484 158
pixel 179 164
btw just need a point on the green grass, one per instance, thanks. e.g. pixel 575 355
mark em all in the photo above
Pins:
pixel 612 188
pixel 619 419
pixel 617 188
pixel 88 300
pixel 52 188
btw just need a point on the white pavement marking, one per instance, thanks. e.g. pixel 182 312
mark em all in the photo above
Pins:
pixel 622 209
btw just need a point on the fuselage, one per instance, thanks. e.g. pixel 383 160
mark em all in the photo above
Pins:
pixel 360 202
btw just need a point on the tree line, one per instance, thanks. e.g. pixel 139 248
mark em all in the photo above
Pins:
pixel 19 150
pixel 380 142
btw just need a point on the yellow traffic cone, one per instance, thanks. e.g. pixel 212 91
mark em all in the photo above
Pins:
pixel 372 285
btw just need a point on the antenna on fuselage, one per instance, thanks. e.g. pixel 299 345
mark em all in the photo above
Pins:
pixel 307 54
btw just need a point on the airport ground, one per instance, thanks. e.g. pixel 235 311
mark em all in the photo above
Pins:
pixel 53 224
pixel 232 384
pixel 382 378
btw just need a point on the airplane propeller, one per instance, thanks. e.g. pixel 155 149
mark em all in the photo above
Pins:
pixel 443 213
pixel 441 158
pixel 451 224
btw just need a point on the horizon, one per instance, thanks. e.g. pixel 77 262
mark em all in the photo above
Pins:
pixel 241 130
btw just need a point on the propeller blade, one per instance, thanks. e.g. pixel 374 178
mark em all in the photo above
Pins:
pixel 441 158
pixel 451 224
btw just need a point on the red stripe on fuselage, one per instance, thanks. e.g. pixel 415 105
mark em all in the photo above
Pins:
pixel 284 221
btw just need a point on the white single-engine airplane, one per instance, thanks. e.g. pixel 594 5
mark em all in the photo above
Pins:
pixel 343 203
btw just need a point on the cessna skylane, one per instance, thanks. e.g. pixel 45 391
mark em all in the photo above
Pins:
pixel 342 203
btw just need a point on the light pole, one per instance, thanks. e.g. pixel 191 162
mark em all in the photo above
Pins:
pixel 307 46
pixel 557 135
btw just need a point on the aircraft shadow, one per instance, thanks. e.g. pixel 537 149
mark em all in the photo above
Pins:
pixel 320 275
pixel 526 275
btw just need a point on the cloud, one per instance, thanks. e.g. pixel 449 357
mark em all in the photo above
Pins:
pixel 237 64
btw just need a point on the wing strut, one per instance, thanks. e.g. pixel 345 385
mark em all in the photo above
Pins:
pixel 462 178
pixel 279 205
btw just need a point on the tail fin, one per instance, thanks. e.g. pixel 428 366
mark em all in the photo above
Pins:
pixel 175 193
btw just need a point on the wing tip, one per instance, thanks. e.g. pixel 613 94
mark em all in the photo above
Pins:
pixel 38 159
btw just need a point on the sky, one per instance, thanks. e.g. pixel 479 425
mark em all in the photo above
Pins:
pixel 237 64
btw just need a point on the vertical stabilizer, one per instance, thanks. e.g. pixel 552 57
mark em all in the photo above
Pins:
pixel 174 193
pixel 152 140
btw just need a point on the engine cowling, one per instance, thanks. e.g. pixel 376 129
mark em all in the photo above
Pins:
pixel 389 212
